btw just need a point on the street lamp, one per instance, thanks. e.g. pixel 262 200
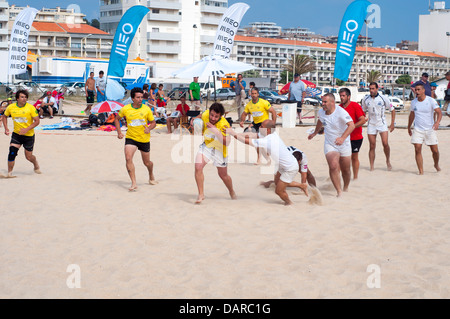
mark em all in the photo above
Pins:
pixel 82 43
pixel 448 37
pixel 195 29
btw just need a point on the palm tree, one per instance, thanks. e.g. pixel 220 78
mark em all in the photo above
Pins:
pixel 303 64
pixel 373 76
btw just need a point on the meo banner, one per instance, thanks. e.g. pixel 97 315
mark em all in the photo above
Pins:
pixel 18 47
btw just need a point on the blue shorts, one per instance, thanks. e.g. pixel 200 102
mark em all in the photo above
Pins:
pixel 100 97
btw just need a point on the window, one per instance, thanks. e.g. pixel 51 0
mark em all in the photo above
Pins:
pixel 155 10
pixel 155 29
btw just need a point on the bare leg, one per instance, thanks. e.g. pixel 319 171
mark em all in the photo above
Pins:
pixel 387 149
pixel 149 164
pixel 200 163
pixel 280 190
pixel 302 186
pixel 129 153
pixel 435 151
pixel 258 160
pixel 334 168
pixel 169 125
pixel 30 157
pixel 344 163
pixel 299 117
pixel 223 174
pixel 11 164
pixel 355 165
pixel 419 158
pixel 372 143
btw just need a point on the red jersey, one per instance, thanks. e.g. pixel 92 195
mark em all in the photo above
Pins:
pixel 180 109
pixel 355 111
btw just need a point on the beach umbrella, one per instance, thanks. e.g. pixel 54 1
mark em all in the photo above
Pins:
pixel 107 107
pixel 212 65
pixel 285 89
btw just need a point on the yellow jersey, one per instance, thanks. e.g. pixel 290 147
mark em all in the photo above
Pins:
pixel 211 139
pixel 258 110
pixel 137 120
pixel 22 116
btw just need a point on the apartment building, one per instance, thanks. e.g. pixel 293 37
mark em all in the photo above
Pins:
pixel 180 31
pixel 434 30
pixel 270 55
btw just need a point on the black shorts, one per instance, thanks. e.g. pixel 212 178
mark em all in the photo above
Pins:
pixel 299 107
pixel 26 141
pixel 255 127
pixel 143 147
pixel 90 98
pixel 45 108
pixel 356 145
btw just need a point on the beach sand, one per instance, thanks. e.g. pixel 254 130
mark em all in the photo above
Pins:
pixel 155 243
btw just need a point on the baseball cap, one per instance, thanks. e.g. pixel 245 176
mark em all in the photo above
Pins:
pixel 9 99
pixel 296 75
pixel 425 74
pixel 434 84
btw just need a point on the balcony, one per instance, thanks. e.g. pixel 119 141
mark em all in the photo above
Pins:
pixel 4 17
pixel 213 9
pixel 207 38
pixel 4 31
pixel 164 17
pixel 171 5
pixel 206 50
pixel 167 49
pixel 210 20
pixel 164 36
pixel 3 4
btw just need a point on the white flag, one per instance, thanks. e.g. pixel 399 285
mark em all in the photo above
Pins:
pixel 18 45
pixel 228 28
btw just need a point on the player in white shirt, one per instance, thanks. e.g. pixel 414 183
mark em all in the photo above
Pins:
pixel 305 172
pixel 375 105
pixel 286 165
pixel 422 113
pixel 338 151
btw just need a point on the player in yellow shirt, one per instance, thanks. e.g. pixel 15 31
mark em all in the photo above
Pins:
pixel 214 148
pixel 25 118
pixel 140 122
pixel 259 109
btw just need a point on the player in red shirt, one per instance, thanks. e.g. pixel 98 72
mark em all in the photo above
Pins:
pixel 182 108
pixel 359 118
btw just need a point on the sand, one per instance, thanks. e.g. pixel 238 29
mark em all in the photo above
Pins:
pixel 155 243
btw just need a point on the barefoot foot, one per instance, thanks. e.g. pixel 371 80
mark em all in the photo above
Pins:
pixel 200 199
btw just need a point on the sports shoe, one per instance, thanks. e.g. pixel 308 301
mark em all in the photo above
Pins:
pixel 41 116
pixel 51 117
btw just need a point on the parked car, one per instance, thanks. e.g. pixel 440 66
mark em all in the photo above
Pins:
pixel 313 101
pixel 72 87
pixel 7 88
pixel 397 103
pixel 274 95
pixel 179 92
pixel 30 86
pixel 224 94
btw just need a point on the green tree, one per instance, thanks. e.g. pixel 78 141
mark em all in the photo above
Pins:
pixel 373 76
pixel 301 64
pixel 251 74
pixel 340 82
pixel 283 76
pixel 404 79
pixel 95 23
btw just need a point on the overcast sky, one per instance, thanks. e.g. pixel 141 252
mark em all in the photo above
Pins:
pixel 399 18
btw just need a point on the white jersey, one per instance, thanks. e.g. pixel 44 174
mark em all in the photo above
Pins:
pixel 100 83
pixel 303 162
pixel 335 124
pixel 424 113
pixel 278 151
pixel 376 108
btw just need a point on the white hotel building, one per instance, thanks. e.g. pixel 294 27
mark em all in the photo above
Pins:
pixel 269 56
pixel 180 31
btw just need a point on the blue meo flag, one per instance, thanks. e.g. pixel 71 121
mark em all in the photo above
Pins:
pixel 351 26
pixel 125 32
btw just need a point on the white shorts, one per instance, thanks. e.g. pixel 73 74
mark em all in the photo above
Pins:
pixel 344 150
pixel 211 154
pixel 374 129
pixel 429 137
pixel 288 176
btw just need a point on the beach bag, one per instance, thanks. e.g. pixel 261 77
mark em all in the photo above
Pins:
pixel 93 119
pixel 85 123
